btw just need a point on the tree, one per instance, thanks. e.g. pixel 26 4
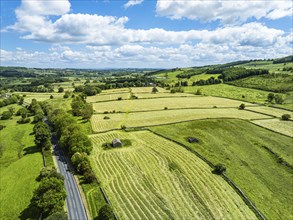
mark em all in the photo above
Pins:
pixel 58 216
pixel 279 99
pixel 87 112
pixel 49 196
pixel 51 96
pixel 286 117
pixel 198 92
pixel 242 106
pixel 77 105
pixel 106 213
pixel 89 176
pixel 60 89
pixel 271 97
pixel 154 89
pixel 42 135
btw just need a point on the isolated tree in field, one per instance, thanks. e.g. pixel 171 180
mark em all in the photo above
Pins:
pixel 155 90
pixel 60 89
pixel 51 96
pixel 105 213
pixel 279 99
pixel 271 97
pixel 242 106
pixel 286 117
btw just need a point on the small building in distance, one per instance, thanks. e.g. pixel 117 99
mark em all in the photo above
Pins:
pixel 116 143
pixel 192 140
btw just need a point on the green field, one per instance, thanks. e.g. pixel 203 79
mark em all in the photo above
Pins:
pixel 139 119
pixel 270 111
pixel 39 96
pixel 170 103
pixel 270 82
pixel 273 68
pixel 107 97
pixel 277 125
pixel 20 165
pixel 239 145
pixel 158 179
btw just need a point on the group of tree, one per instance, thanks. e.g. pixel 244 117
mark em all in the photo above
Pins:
pixel 50 195
pixel 13 99
pixel 277 98
pixel 24 113
pixel 36 110
pixel 88 90
pixel 81 108
pixel 74 140
pixel 210 81
pixel 42 135
pixel 235 73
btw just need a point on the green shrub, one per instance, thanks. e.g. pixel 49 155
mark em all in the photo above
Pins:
pixel 286 117
pixel 219 169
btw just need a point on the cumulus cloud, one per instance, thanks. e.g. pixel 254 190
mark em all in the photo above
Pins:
pixel 108 42
pixel 132 3
pixel 228 12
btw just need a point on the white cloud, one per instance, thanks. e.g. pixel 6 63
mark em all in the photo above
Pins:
pixel 228 12
pixel 132 3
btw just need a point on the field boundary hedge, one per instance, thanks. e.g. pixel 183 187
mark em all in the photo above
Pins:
pixel 226 178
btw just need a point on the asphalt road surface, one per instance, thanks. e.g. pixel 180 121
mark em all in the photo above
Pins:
pixel 74 203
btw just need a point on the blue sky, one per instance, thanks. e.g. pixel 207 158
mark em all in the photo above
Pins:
pixel 142 33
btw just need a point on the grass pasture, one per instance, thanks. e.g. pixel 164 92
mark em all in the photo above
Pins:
pixel 40 96
pixel 170 103
pixel 20 164
pixel 158 179
pixel 270 82
pixel 277 125
pixel 239 145
pixel 115 90
pixel 229 91
pixel 139 119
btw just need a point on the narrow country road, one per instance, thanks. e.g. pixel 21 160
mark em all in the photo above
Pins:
pixel 75 207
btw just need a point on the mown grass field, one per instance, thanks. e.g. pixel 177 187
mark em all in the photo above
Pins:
pixel 115 90
pixel 147 90
pixel 20 165
pixel 107 97
pixel 158 179
pixel 277 125
pixel 139 119
pixel 170 102
pixel 270 111
pixel 161 95
pixel 239 145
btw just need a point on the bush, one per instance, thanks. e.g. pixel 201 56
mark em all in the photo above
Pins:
pixel 123 127
pixel 198 92
pixel 105 213
pixel 286 117
pixel 154 90
pixel 166 108
pixel 2 127
pixel 119 98
pixel 219 169
pixel 51 96
pixel 89 176
pixel 6 115
pixel 106 117
pixel 24 120
pixel 242 106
